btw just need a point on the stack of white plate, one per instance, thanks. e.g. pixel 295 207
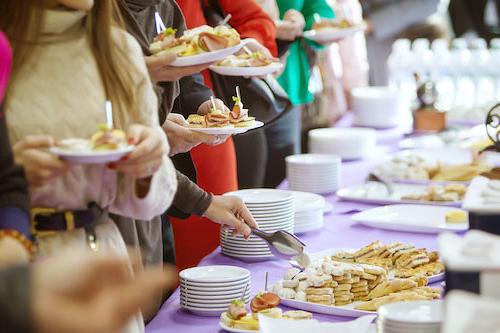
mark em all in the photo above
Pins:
pixel 347 143
pixel 309 209
pixel 314 173
pixel 273 210
pixel 410 317
pixel 208 290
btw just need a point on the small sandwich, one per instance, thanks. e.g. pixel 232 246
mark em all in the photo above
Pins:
pixel 297 315
pixel 236 316
pixel 108 139
pixel 239 116
pixel 197 121
pixel 217 118
pixel 266 303
pixel 74 144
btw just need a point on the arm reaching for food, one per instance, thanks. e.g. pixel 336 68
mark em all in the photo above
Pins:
pixel 231 211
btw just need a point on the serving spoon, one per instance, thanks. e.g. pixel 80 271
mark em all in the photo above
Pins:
pixel 282 244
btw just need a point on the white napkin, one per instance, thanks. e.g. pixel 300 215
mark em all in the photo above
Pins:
pixel 271 325
pixel 476 251
pixel 466 312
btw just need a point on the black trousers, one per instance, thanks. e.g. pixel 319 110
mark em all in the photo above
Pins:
pixel 261 153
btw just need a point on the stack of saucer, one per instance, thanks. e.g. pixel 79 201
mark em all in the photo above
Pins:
pixel 314 173
pixel 410 317
pixel 273 210
pixel 347 143
pixel 208 290
pixel 309 209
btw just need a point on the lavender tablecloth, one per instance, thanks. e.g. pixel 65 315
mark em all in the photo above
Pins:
pixel 338 231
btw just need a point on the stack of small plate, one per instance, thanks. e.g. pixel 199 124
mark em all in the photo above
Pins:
pixel 314 173
pixel 208 290
pixel 410 317
pixel 347 143
pixel 309 209
pixel 273 210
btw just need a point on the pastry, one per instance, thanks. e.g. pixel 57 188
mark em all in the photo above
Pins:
pixel 196 121
pixel 456 216
pixel 297 315
pixel 290 283
pixel 319 291
pixel 108 139
pixel 392 286
pixel 320 299
pixel 291 273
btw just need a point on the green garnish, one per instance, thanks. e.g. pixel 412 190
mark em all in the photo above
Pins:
pixel 169 31
pixel 237 302
pixel 103 127
pixel 236 99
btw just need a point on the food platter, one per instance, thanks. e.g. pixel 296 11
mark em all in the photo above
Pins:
pixel 91 157
pixel 208 57
pixel 328 34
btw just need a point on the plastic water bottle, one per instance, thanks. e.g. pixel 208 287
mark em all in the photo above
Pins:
pixel 483 79
pixel 442 75
pixel 465 90
pixel 400 70
pixel 494 65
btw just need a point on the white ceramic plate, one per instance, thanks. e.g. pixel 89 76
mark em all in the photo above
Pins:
pixel 328 34
pixel 208 57
pixel 227 130
pixel 377 194
pixel 234 330
pixel 342 311
pixel 216 290
pixel 208 285
pixel 475 199
pixel 214 274
pixel 247 71
pixel 192 301
pixel 412 218
pixel 263 196
pixel 204 312
pixel 211 294
pixel 91 157
pixel 417 312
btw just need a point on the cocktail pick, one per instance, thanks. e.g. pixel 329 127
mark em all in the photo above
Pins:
pixel 226 19
pixel 109 114
pixel 160 26
pixel 267 277
pixel 317 18
pixel 212 99
pixel 238 95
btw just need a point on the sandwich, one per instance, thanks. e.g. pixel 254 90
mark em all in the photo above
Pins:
pixel 196 121
pixel 108 139
pixel 239 116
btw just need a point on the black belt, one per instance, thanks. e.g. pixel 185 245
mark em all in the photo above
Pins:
pixel 48 219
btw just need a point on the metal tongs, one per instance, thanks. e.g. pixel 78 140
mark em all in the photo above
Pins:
pixel 372 177
pixel 282 244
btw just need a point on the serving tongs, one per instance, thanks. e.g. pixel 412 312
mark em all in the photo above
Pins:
pixel 372 177
pixel 282 244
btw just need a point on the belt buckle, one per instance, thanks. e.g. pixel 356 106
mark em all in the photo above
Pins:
pixel 69 219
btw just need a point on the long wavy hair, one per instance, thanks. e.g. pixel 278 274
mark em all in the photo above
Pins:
pixel 22 22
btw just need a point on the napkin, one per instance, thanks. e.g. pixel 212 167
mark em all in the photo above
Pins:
pixel 271 325
pixel 466 312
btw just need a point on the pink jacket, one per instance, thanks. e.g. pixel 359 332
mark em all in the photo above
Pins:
pixel 5 64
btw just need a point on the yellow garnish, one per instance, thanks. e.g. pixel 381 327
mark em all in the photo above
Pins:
pixel 456 216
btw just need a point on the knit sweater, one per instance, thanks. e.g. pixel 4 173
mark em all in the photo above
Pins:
pixel 59 92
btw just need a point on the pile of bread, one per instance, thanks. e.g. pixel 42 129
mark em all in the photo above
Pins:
pixel 366 275
pixel 450 192
pixel 402 259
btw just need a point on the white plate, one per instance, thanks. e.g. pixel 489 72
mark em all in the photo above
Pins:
pixel 263 196
pixel 378 195
pixel 416 312
pixel 207 57
pixel 328 34
pixel 247 71
pixel 192 301
pixel 227 130
pixel 475 200
pixel 313 160
pixel 211 294
pixel 208 285
pixel 204 312
pixel 216 290
pixel 234 330
pixel 91 157
pixel 412 218
pixel 214 274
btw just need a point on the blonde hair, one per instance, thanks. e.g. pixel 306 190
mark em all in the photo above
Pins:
pixel 22 21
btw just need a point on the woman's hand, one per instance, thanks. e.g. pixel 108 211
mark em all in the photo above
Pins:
pixel 231 211
pixel 148 154
pixel 39 165
pixel 291 27
pixel 160 70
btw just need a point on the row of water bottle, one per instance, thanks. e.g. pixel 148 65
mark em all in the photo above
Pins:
pixel 466 74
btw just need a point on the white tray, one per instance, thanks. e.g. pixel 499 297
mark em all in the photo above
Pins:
pixel 410 218
pixel 357 193
pixel 227 130
pixel 247 71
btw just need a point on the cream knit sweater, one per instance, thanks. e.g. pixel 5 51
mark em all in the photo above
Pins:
pixel 59 92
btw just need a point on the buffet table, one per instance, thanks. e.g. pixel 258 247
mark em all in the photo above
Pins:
pixel 338 231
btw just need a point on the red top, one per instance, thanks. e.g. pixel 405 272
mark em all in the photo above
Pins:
pixel 247 17
pixel 5 64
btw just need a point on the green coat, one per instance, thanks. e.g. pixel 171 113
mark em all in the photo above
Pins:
pixel 295 78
